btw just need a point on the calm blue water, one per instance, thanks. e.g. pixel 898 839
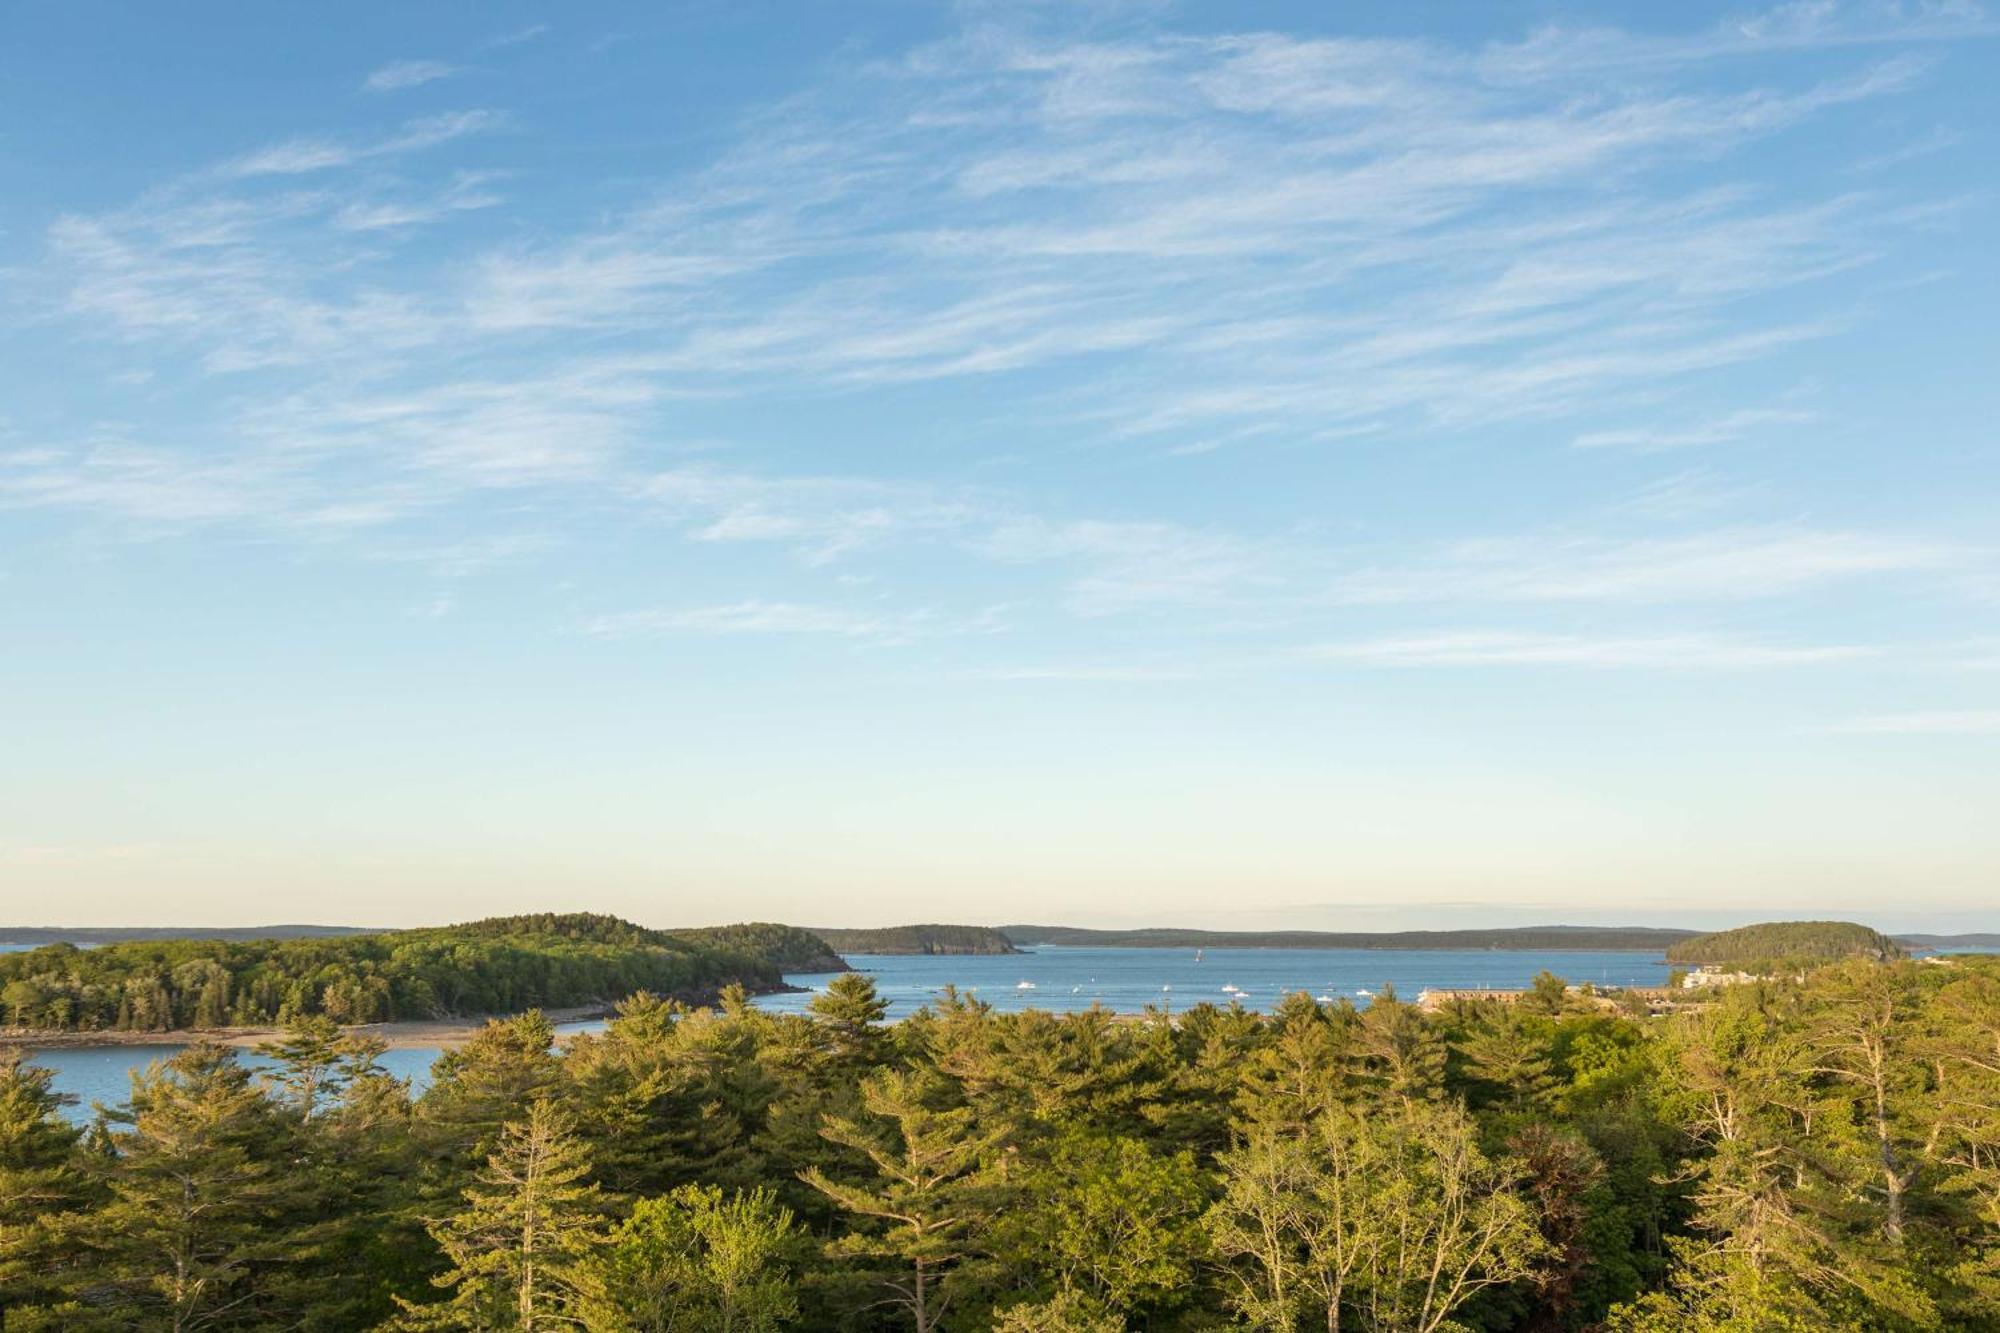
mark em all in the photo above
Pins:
pixel 1122 980
pixel 1127 980
pixel 104 1073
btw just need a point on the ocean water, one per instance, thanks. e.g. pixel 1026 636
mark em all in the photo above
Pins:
pixel 1122 980
pixel 1126 981
pixel 93 1074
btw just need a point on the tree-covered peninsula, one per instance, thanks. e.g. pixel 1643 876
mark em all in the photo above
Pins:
pixel 1777 943
pixel 926 939
pixel 1788 1155
pixel 496 966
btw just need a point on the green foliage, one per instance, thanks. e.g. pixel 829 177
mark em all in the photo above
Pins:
pixel 1389 1221
pixel 1778 942
pixel 1813 1154
pixel 788 947
pixel 1113 1221
pixel 519 1248
pixel 925 1185
pixel 42 1184
pixel 501 965
pixel 203 1217
pixel 920 939
pixel 697 1261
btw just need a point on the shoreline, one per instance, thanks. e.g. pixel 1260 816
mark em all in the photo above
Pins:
pixel 403 1035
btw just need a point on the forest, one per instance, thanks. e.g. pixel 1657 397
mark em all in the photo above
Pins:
pixel 926 939
pixel 1792 1155
pixel 1772 944
pixel 500 965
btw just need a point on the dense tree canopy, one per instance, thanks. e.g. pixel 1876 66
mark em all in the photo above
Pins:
pixel 500 965
pixel 1790 1155
pixel 1776 942
pixel 919 939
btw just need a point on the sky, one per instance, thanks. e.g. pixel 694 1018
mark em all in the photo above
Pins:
pixel 1346 466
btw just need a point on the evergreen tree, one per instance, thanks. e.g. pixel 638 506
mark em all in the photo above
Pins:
pixel 1111 1220
pixel 850 1014
pixel 41 1186
pixel 697 1261
pixel 1402 1052
pixel 197 1225
pixel 928 1188
pixel 316 1060
pixel 518 1248
pixel 488 1083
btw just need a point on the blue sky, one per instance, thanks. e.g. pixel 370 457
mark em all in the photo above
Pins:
pixel 1327 465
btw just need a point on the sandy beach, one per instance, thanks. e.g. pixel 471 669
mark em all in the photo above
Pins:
pixel 421 1034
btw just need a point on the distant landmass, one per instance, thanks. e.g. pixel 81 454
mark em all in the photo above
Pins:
pixel 789 947
pixel 818 949
pixel 926 939
pixel 1785 941
pixel 39 935
pixel 1650 939
pixel 501 965
pixel 1975 940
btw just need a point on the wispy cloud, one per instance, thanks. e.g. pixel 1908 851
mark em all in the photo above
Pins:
pixel 1152 241
pixel 467 191
pixel 1715 430
pixel 1728 565
pixel 516 36
pixel 822 517
pixel 400 74
pixel 779 618
pixel 1484 648
pixel 1966 722
pixel 1086 673
pixel 296 157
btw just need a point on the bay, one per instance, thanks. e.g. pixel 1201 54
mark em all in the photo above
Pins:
pixel 1125 981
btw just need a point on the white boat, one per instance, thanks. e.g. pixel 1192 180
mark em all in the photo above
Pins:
pixel 1322 999
pixel 1024 985
pixel 1365 993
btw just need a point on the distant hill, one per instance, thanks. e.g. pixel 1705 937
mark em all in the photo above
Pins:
pixel 1638 939
pixel 121 934
pixel 1785 941
pixel 1977 940
pixel 927 939
pixel 500 965
pixel 790 947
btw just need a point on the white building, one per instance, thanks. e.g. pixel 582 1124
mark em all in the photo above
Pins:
pixel 1714 976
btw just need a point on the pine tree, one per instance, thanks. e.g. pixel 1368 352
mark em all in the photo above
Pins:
pixel 41 1186
pixel 929 1189
pixel 199 1197
pixel 492 1080
pixel 316 1060
pixel 850 1013
pixel 517 1248
pixel 1401 1050
pixel 1507 1057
